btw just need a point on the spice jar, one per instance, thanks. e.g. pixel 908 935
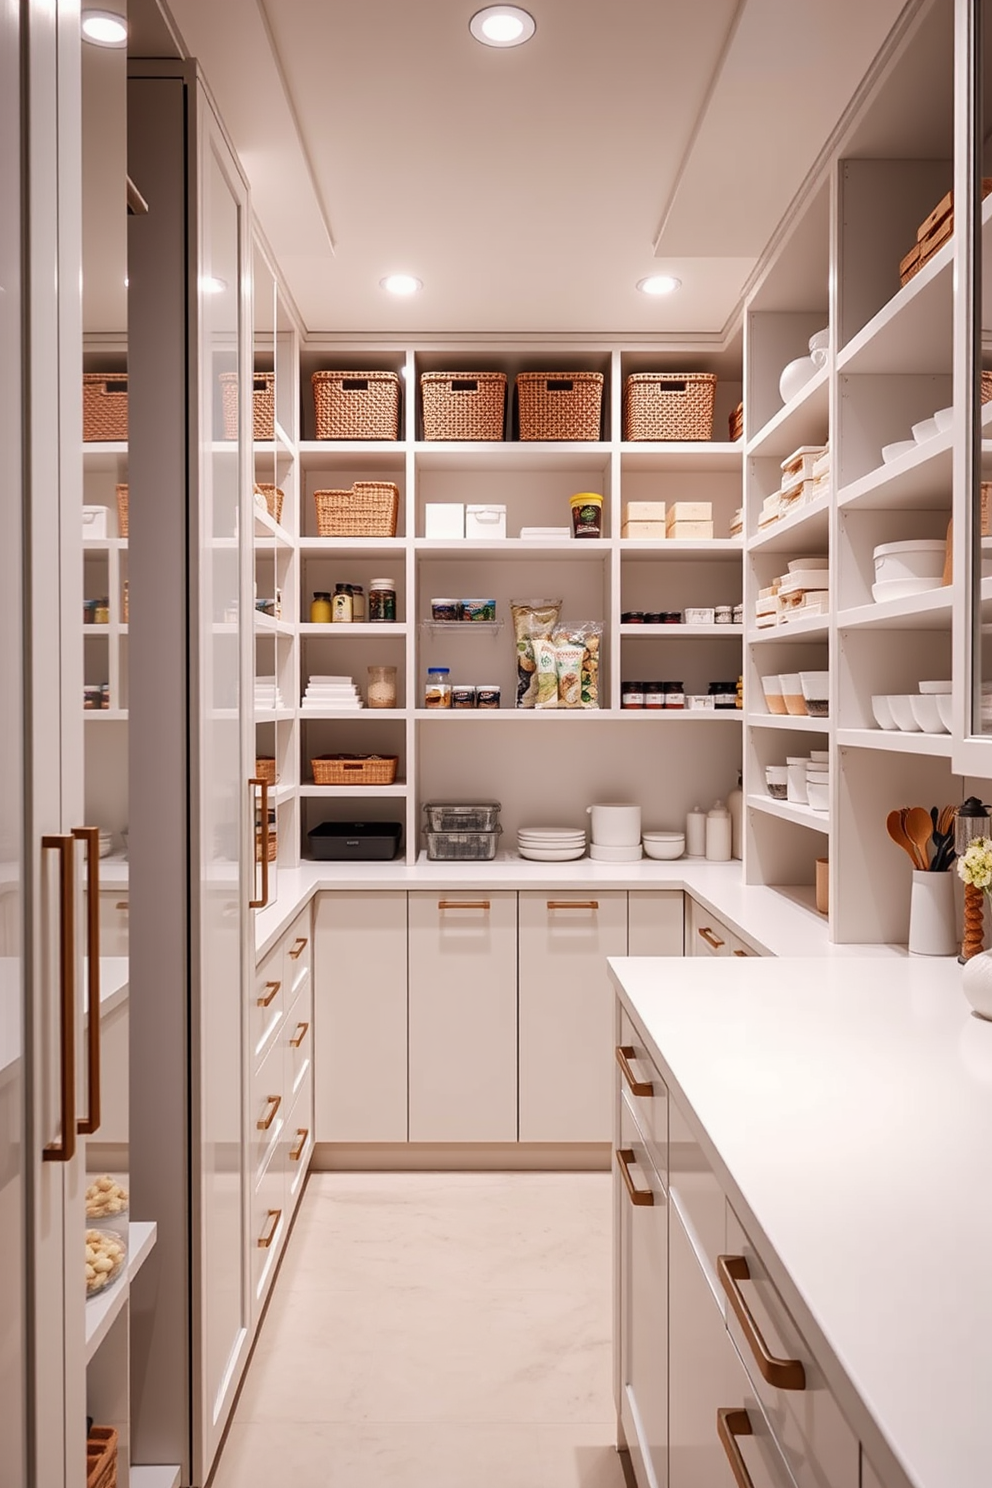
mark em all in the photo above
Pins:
pixel 632 617
pixel 437 694
pixel 320 608
pixel 341 606
pixel 632 694
pixel 654 694
pixel 382 687
pixel 382 601
pixel 674 695
pixel 724 694
pixel 357 603
pixel 487 695
pixel 101 611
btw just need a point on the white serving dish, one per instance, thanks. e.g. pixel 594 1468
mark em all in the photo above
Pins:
pixel 943 701
pixel 819 796
pixel 918 558
pixel 551 854
pixel 665 846
pixel 566 833
pixel 818 561
pixel 944 418
pixel 662 834
pixel 903 588
pixel 552 844
pixel 925 429
pixel 883 713
pixel 795 376
pixel 925 712
pixel 901 708
pixel 616 854
pixel 804 578
pixel 934 687
pixel 896 451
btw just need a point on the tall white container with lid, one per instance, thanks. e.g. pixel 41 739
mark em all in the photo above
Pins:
pixel 719 839
pixel 695 833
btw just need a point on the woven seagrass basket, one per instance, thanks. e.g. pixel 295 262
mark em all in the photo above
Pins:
pixel 101 1457
pixel 559 405
pixel 274 498
pixel 122 511
pixel 105 405
pixel 463 405
pixel 356 405
pixel 369 509
pixel 669 405
pixel 263 404
pixel 354 769
pixel 265 769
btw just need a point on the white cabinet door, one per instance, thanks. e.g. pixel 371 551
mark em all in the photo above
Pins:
pixel 655 922
pixel 360 1033
pixel 566 1014
pixel 463 1017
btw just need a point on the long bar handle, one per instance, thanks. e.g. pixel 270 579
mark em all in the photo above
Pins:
pixel 785 1374
pixel 122 903
pixel 302 1029
pixel 298 947
pixel 730 1424
pixel 270 1229
pixel 273 1102
pixel 463 904
pixel 64 1149
pixel 625 1053
pixel 295 1153
pixel 263 852
pixel 740 953
pixel 573 903
pixel 641 1197
pixel 271 988
pixel 91 836
pixel 710 938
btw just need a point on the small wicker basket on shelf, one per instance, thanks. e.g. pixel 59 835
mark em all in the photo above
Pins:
pixel 122 511
pixel 105 406
pixel 463 405
pixel 265 769
pixel 354 769
pixel 369 509
pixel 356 405
pixel 986 387
pixel 274 498
pixel 668 405
pixel 101 1457
pixel 559 405
pixel 263 404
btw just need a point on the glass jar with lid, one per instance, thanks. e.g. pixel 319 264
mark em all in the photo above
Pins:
pixel 437 693
pixel 320 608
pixel 382 601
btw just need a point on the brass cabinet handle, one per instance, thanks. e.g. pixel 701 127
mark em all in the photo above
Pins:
pixel 298 947
pixel 91 836
pixel 710 938
pixel 463 904
pixel 274 1102
pixel 295 1153
pixel 271 988
pixel 302 1029
pixel 268 1234
pixel 64 1150
pixel 625 1053
pixel 122 903
pixel 785 1374
pixel 730 1424
pixel 573 903
pixel 740 953
pixel 638 1196
pixel 263 786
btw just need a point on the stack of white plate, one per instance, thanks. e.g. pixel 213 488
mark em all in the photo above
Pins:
pixel 332 695
pixel 551 844
pixel 616 854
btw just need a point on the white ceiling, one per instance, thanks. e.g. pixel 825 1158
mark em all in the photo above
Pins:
pixel 528 188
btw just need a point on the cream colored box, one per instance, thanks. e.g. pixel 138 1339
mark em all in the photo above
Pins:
pixel 654 530
pixel 689 511
pixel 644 511
pixel 695 531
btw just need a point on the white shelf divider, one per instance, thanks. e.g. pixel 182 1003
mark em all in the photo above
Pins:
pixel 802 816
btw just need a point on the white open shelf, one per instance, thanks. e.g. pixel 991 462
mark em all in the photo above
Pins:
pixel 807 527
pixel 371 791
pixel 788 721
pixel 809 627
pixel 801 816
pixel 920 479
pixel 589 715
pixel 635 548
pixel 895 741
pixel 103 1309
pixel 355 629
pixel 802 421
pixel 930 611
pixel 683 632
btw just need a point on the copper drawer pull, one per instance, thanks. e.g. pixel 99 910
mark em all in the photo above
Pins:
pixel 638 1196
pixel 295 1153
pixel 740 953
pixel 463 904
pixel 785 1374
pixel 625 1053
pixel 91 836
pixel 275 1101
pixel 298 947
pixel 123 904
pixel 710 938
pixel 573 903
pixel 64 1149
pixel 272 988
pixel 265 1240
pixel 302 1029
pixel 730 1424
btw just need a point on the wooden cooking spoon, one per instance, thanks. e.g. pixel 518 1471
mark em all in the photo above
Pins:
pixel 897 831
pixel 919 830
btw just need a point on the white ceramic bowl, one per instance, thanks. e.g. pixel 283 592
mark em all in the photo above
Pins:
pixel 926 714
pixel 792 694
pixel 926 429
pixel 816 689
pixel 882 711
pixel 903 589
pixel 551 854
pixel 818 795
pixel 777 774
pixel 944 418
pixel 795 376
pixel 901 708
pixel 920 558
pixel 934 687
pixel 665 846
pixel 943 701
pixel 895 451
pixel 616 854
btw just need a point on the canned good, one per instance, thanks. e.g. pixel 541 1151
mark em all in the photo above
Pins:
pixel 463 696
pixel 587 514
pixel 479 609
pixel 487 695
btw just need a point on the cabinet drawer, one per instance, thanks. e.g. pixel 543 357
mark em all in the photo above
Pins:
pixel 298 1056
pixel 818 1445
pixel 298 1143
pixel 655 922
pixel 698 1197
pixel 707 934
pixel 298 942
pixel 642 1322
pixel 114 923
pixel 267 1110
pixel 643 1088
pixel 267 1225
pixel 268 1006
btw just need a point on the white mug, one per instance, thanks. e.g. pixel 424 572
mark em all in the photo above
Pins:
pixel 615 825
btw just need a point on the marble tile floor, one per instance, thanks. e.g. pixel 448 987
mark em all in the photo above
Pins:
pixel 435 1330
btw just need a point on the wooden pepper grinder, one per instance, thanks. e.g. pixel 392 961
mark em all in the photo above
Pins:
pixel 971 820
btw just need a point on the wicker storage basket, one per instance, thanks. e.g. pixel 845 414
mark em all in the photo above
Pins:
pixel 559 405
pixel 101 1457
pixel 369 509
pixel 273 499
pixel 263 404
pixel 668 405
pixel 105 405
pixel 986 387
pixel 463 405
pixel 265 769
pixel 354 769
pixel 122 511
pixel 356 405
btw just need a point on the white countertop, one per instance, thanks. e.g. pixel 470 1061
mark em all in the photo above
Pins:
pixel 847 1108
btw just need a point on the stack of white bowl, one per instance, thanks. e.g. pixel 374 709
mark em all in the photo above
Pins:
pixel 926 429
pixel 551 844
pixel 818 784
pixel 664 845
pixel 927 712
pixel 616 832
pixel 903 569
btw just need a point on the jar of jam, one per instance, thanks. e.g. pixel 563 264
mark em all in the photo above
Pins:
pixel 674 695
pixel 320 608
pixel 670 617
pixel 632 694
pixel 632 617
pixel 654 694
pixel 382 601
pixel 724 694
pixel 437 693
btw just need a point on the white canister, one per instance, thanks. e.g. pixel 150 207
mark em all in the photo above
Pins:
pixel 615 825
pixel 695 833
pixel 719 834
pixel 797 768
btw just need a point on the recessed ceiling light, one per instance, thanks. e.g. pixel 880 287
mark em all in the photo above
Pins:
pixel 502 26
pixel 401 284
pixel 659 284
pixel 104 28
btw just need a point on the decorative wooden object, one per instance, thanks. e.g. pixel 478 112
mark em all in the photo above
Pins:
pixel 974 922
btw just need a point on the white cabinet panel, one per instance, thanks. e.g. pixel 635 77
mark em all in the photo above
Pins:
pixel 655 922
pixel 463 1017
pixel 360 1015
pixel 706 935
pixel 642 1238
pixel 114 909
pixel 698 1196
pixel 566 1014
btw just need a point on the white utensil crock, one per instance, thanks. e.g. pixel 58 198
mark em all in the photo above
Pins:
pixel 932 920
pixel 615 825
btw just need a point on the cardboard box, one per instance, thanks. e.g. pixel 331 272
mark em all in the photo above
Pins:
pixel 656 531
pixel 444 519
pixel 644 511
pixel 485 522
pixel 693 531
pixel 689 511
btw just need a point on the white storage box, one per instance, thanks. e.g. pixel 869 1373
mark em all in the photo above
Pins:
pixel 444 519
pixel 656 531
pixel 689 511
pixel 644 511
pixel 485 521
pixel 545 534
pixel 94 521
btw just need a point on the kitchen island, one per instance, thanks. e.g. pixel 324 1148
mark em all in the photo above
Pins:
pixel 841 1112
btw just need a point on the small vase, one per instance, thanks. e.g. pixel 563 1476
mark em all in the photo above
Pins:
pixel 976 983
pixel 932 922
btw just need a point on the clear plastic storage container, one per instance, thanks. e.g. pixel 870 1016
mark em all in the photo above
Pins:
pixel 475 847
pixel 462 816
